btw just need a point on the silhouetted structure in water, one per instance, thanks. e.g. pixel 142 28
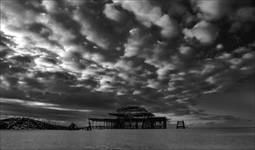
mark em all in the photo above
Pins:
pixel 72 126
pixel 89 126
pixel 130 117
pixel 180 125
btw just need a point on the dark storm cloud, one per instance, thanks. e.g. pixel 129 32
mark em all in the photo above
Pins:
pixel 101 55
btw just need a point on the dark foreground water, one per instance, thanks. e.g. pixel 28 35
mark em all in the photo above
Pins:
pixel 170 139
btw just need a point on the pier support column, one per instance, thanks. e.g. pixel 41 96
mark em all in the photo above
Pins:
pixel 136 124
pixel 164 124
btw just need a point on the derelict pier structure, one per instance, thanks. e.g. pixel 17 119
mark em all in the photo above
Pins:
pixel 130 117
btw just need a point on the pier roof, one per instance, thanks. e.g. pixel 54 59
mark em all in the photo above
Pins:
pixel 132 111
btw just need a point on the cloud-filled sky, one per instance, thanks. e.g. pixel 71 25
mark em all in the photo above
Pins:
pixel 67 60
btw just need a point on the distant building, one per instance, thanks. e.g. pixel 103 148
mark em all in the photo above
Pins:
pixel 130 117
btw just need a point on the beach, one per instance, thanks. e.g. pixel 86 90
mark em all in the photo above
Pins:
pixel 156 139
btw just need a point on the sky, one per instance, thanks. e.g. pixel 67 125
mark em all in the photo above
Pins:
pixel 67 60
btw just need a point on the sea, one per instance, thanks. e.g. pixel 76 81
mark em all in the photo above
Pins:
pixel 128 139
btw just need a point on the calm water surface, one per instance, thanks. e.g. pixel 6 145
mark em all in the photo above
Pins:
pixel 170 139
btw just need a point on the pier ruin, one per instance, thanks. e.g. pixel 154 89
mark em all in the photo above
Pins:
pixel 130 117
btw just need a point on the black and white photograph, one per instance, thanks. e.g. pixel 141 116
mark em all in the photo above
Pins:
pixel 127 74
